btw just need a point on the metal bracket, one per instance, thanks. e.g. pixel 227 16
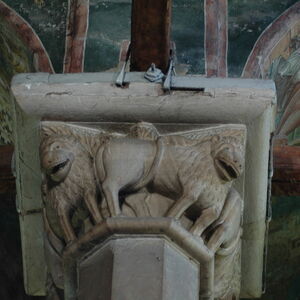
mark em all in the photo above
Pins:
pixel 121 75
pixel 167 85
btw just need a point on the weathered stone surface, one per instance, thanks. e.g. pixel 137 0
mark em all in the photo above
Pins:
pixel 137 268
pixel 92 98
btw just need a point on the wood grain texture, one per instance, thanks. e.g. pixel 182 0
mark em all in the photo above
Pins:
pixel 7 179
pixel 77 26
pixel 150 34
pixel 286 179
pixel 216 37
pixel 29 37
pixel 270 39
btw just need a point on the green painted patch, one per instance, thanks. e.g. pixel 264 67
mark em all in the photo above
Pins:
pixel 14 58
pixel 188 34
pixel 109 24
pixel 283 273
pixel 294 137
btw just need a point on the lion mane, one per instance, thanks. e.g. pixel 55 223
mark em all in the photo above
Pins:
pixel 80 177
pixel 80 184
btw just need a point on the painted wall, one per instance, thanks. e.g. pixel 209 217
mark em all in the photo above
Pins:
pixel 110 24
pixel 48 19
pixel 247 20
pixel 283 264
pixel 14 58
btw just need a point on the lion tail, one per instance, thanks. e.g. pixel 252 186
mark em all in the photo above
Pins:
pixel 99 165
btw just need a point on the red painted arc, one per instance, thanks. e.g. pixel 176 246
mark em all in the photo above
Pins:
pixel 268 39
pixel 76 34
pixel 29 36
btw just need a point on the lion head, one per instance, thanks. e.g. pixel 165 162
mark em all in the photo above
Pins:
pixel 58 155
pixel 228 155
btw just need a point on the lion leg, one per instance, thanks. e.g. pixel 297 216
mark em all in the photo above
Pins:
pixel 232 201
pixel 228 223
pixel 207 217
pixel 64 219
pixel 180 206
pixel 217 239
pixel 111 196
pixel 91 203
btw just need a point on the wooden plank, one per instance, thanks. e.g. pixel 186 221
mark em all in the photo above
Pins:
pixel 5 160
pixel 123 51
pixel 30 38
pixel 77 26
pixel 286 188
pixel 150 34
pixel 216 37
pixel 286 179
pixel 7 179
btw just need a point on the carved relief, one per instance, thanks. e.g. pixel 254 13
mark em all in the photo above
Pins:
pixel 91 174
pixel 70 179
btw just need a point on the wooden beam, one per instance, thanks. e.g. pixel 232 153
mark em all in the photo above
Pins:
pixel 29 37
pixel 286 178
pixel 216 37
pixel 150 34
pixel 7 180
pixel 77 26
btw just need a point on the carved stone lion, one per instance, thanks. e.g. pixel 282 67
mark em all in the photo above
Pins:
pixel 70 182
pixel 195 170
pixel 187 175
pixel 196 174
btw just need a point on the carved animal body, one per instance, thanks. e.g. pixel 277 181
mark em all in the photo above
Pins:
pixel 227 229
pixel 225 241
pixel 199 175
pixel 70 180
